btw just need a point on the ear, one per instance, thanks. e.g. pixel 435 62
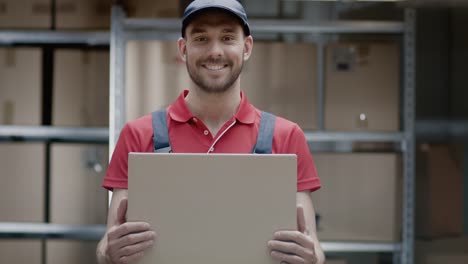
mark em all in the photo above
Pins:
pixel 182 48
pixel 248 45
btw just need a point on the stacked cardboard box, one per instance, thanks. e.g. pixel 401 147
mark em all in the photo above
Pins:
pixel 20 80
pixel 360 199
pixel 25 14
pixel 362 86
pixel 83 14
pixel 22 196
pixel 81 88
pixel 442 251
pixel 439 191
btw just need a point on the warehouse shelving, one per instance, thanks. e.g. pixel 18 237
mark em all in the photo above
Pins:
pixel 52 134
pixel 124 29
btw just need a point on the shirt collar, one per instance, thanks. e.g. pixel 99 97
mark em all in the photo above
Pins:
pixel 179 111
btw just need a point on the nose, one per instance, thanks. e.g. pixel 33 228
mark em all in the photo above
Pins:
pixel 215 49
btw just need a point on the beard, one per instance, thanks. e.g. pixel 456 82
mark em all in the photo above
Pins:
pixel 209 85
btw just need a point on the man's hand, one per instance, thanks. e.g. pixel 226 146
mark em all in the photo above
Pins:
pixel 127 241
pixel 294 247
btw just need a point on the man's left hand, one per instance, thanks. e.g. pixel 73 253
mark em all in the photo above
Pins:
pixel 294 247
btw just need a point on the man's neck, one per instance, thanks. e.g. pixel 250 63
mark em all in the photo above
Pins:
pixel 214 110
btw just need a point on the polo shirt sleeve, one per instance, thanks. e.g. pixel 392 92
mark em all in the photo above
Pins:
pixel 307 178
pixel 117 172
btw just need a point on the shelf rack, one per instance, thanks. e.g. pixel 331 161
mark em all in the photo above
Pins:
pixel 36 37
pixel 125 29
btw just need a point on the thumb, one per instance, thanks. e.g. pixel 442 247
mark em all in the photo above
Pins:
pixel 122 211
pixel 301 222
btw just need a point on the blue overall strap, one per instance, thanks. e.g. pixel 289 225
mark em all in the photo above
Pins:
pixel 160 132
pixel 265 134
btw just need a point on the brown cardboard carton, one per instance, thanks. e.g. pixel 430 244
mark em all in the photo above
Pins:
pixel 360 199
pixel 25 14
pixel 442 251
pixel 153 9
pixel 20 82
pixel 77 197
pixel 20 251
pixel 83 14
pixel 362 86
pixel 155 76
pixel 223 208
pixel 81 88
pixel 22 188
pixel 279 78
pixel 439 191
pixel 64 251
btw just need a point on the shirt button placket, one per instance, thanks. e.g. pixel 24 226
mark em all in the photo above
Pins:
pixel 206 132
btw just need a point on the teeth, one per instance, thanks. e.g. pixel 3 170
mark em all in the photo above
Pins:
pixel 214 67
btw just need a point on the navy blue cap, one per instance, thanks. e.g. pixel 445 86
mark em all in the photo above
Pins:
pixel 231 6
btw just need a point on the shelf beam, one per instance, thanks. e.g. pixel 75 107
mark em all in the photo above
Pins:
pixel 368 247
pixel 395 137
pixel 441 129
pixel 56 134
pixel 143 28
pixel 92 38
pixel 56 231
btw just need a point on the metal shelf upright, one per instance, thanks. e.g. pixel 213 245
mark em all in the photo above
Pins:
pixel 124 29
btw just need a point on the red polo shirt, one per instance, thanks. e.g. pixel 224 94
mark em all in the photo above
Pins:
pixel 188 134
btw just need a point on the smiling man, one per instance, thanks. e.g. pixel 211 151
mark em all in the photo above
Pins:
pixel 212 116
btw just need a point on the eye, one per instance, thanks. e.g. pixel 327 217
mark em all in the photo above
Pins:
pixel 228 38
pixel 200 39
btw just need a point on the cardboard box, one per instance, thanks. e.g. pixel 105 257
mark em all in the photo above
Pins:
pixel 25 14
pixel 281 78
pixel 20 82
pixel 81 88
pixel 439 191
pixel 21 251
pixel 22 189
pixel 362 86
pixel 360 199
pixel 155 76
pixel 83 14
pixel 154 9
pixel 77 197
pixel 64 251
pixel 283 84
pixel 442 251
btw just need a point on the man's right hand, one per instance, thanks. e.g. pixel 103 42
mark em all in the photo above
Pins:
pixel 127 241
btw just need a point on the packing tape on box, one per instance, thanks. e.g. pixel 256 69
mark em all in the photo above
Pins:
pixel 10 57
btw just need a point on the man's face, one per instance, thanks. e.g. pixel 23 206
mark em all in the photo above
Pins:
pixel 215 49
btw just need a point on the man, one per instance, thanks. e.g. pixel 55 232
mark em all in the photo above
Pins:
pixel 213 116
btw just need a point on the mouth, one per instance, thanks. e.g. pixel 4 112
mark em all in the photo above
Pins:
pixel 214 67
